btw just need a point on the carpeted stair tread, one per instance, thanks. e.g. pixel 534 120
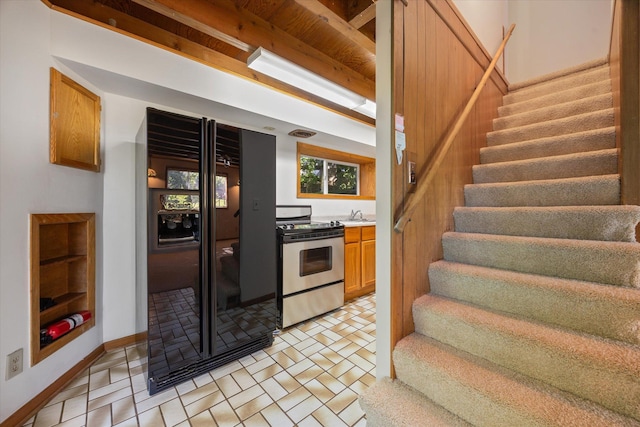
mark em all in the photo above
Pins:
pixel 558 74
pixel 578 123
pixel 602 162
pixel 390 403
pixel 582 78
pixel 602 371
pixel 591 140
pixel 611 263
pixel 612 223
pixel 598 190
pixel 556 111
pixel 485 394
pixel 608 311
pixel 571 94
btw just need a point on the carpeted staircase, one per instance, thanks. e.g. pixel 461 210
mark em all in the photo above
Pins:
pixel 534 313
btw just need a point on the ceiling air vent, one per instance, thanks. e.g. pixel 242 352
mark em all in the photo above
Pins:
pixel 301 133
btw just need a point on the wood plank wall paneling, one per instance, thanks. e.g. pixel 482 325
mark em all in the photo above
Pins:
pixel 625 56
pixel 397 184
pixel 438 64
pixel 614 64
pixel 452 17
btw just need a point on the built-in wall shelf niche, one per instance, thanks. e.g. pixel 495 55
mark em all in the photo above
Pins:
pixel 62 279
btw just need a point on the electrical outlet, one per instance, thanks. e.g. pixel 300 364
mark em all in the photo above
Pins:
pixel 14 364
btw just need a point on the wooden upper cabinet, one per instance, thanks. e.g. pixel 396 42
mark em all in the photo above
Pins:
pixel 74 124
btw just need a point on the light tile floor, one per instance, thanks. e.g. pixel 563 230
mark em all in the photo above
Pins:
pixel 310 376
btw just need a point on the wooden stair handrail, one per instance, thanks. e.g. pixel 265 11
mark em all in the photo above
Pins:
pixel 437 159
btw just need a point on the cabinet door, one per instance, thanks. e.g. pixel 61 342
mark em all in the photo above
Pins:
pixel 351 267
pixel 368 263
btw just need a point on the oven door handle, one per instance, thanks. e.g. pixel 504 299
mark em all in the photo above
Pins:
pixel 305 237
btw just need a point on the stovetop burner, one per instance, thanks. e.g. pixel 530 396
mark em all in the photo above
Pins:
pixel 294 223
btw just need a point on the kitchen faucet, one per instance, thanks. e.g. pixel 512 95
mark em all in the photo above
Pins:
pixel 353 214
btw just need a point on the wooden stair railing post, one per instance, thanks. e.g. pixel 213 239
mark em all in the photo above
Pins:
pixel 436 160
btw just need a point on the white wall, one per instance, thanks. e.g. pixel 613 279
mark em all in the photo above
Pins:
pixel 123 117
pixel 552 35
pixel 30 184
pixel 385 154
pixel 549 35
pixel 488 18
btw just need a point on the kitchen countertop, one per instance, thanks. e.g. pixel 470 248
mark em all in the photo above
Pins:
pixel 358 223
pixel 368 220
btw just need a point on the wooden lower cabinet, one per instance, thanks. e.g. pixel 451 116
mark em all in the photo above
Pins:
pixel 352 267
pixel 359 261
pixel 368 272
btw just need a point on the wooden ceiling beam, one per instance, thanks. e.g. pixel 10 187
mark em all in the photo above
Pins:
pixel 337 23
pixel 225 17
pixel 101 15
pixel 364 17
pixel 196 24
pixel 141 30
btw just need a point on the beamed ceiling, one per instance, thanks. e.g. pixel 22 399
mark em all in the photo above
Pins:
pixel 332 38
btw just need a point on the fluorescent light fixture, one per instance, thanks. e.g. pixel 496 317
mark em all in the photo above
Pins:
pixel 368 109
pixel 286 71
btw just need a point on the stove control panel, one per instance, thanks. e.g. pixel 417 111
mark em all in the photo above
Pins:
pixel 286 227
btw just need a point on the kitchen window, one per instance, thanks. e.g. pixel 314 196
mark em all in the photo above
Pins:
pixel 221 191
pixel 322 176
pixel 326 173
pixel 184 179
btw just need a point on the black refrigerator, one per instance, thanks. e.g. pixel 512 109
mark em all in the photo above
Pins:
pixel 210 211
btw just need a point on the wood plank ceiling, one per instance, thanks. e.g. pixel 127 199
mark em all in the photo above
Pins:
pixel 333 38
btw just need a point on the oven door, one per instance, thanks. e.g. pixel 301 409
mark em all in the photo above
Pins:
pixel 311 263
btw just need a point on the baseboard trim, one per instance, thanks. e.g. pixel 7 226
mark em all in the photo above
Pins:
pixel 125 341
pixel 23 414
pixel 360 292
